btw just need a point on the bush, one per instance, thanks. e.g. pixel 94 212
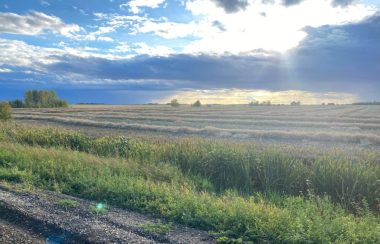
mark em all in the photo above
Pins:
pixel 174 103
pixel 17 103
pixel 197 104
pixel 5 111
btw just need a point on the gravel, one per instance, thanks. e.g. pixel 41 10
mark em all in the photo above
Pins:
pixel 42 217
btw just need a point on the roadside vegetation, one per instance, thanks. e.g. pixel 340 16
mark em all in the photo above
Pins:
pixel 238 191
pixel 5 112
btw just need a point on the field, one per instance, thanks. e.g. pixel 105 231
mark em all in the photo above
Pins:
pixel 358 125
pixel 277 174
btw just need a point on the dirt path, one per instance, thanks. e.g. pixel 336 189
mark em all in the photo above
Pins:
pixel 46 217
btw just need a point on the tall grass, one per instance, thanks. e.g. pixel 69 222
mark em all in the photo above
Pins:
pixel 166 192
pixel 246 168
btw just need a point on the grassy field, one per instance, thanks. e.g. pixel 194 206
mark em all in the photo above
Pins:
pixel 262 174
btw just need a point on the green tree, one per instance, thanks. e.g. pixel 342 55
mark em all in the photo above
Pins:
pixel 197 104
pixel 43 99
pixel 16 103
pixel 5 111
pixel 174 103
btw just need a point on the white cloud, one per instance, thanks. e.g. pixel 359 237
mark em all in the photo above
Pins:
pixel 272 27
pixel 45 3
pixel 35 23
pixel 98 35
pixel 5 70
pixel 21 54
pixel 172 30
pixel 159 50
pixel 122 47
pixel 134 6
pixel 244 96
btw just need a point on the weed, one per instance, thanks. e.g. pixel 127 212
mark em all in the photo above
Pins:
pixel 157 228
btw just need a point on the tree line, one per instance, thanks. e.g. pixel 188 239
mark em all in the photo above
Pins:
pixel 39 99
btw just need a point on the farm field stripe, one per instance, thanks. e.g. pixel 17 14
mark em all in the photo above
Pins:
pixel 237 133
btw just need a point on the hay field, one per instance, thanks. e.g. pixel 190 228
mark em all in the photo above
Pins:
pixel 357 126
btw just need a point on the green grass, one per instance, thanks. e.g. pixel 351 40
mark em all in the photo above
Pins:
pixel 347 179
pixel 157 228
pixel 98 209
pixel 166 190
pixel 68 203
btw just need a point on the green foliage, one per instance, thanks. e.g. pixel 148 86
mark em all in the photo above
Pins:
pixel 253 103
pixel 219 166
pixel 16 103
pixel 43 99
pixel 5 112
pixel 95 209
pixel 174 103
pixel 232 217
pixel 197 104
pixel 157 228
pixel 68 203
pixel 294 103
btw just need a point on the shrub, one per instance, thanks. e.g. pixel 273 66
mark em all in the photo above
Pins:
pixel 294 103
pixel 253 103
pixel 5 111
pixel 174 103
pixel 197 104
pixel 17 103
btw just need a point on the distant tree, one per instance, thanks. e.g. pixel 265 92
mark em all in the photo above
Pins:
pixel 331 104
pixel 323 104
pixel 5 111
pixel 197 104
pixel 266 103
pixel 294 103
pixel 253 103
pixel 16 103
pixel 174 103
pixel 43 99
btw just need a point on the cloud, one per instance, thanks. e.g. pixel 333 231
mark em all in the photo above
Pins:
pixel 20 54
pixel 335 3
pixel 232 6
pixel 5 70
pixel 327 60
pixel 280 29
pixel 159 50
pixel 35 23
pixel 291 2
pixel 134 6
pixel 341 58
pixel 98 35
pixel 342 3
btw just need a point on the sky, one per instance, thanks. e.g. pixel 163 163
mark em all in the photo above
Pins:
pixel 217 51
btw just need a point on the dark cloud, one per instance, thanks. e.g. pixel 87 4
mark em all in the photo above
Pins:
pixel 342 3
pixel 232 6
pixel 335 3
pixel 332 58
pixel 291 2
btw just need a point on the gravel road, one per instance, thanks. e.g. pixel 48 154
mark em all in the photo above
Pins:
pixel 42 217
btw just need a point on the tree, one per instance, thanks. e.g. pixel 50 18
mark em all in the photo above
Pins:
pixel 16 103
pixel 294 103
pixel 5 111
pixel 266 103
pixel 253 103
pixel 174 103
pixel 197 104
pixel 43 99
